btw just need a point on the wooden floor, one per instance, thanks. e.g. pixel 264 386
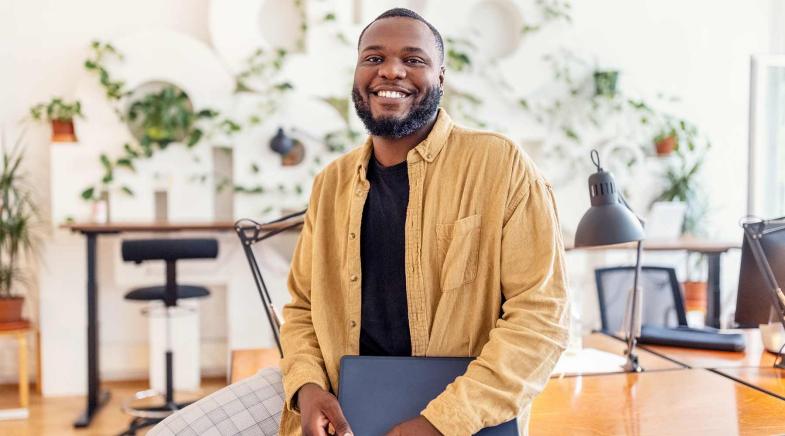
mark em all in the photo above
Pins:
pixel 54 416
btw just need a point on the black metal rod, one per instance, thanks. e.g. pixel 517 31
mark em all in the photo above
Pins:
pixel 262 289
pixel 169 378
pixel 250 232
pixel 633 331
pixel 95 398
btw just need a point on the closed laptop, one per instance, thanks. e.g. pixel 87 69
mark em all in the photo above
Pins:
pixel 377 393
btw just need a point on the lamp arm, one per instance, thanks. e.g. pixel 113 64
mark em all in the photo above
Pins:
pixel 250 232
pixel 634 327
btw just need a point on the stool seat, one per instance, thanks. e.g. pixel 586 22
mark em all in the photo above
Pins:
pixel 150 293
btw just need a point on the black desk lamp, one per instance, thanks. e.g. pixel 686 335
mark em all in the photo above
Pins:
pixel 754 230
pixel 611 221
pixel 251 232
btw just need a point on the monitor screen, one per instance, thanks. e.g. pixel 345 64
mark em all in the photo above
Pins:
pixel 754 300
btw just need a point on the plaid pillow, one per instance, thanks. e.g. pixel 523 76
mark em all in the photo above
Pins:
pixel 251 406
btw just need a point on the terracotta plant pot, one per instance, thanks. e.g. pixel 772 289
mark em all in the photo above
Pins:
pixel 666 145
pixel 63 131
pixel 11 309
pixel 695 296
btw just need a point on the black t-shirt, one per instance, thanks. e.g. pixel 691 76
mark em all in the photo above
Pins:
pixel 385 317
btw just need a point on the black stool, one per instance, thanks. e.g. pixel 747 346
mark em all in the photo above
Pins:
pixel 170 251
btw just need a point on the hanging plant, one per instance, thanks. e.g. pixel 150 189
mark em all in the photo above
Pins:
pixel 550 11
pixel 605 82
pixel 101 51
pixel 60 114
pixel 167 116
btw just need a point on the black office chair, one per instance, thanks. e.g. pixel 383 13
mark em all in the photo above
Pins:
pixel 662 304
pixel 169 251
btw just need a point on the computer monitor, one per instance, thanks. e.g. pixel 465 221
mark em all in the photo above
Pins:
pixel 754 301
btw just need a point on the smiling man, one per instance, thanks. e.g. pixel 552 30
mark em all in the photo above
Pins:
pixel 428 240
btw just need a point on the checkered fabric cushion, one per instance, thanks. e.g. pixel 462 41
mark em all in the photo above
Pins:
pixel 249 407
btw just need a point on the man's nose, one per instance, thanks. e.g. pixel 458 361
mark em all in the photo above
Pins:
pixel 391 70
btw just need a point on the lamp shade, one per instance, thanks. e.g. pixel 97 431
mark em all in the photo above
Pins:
pixel 608 221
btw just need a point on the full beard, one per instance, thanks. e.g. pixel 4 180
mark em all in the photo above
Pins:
pixel 393 127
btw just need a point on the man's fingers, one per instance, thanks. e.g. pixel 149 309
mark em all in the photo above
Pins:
pixel 335 415
pixel 316 427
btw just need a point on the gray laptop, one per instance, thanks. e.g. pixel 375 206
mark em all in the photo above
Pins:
pixel 377 393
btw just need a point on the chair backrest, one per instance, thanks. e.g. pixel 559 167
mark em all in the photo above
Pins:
pixel 662 303
pixel 138 250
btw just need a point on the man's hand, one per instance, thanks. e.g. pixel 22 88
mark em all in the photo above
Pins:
pixel 320 411
pixel 418 426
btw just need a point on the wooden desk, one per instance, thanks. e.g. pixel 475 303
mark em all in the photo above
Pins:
pixel 770 380
pixel 754 354
pixel 95 396
pixel 683 402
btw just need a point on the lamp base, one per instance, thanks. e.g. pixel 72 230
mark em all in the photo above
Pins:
pixel 632 363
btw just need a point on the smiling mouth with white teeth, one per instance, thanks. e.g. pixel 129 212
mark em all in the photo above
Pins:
pixel 391 94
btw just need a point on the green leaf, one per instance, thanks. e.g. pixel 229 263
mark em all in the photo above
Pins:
pixel 127 191
pixel 125 162
pixel 105 162
pixel 87 194
pixel 194 137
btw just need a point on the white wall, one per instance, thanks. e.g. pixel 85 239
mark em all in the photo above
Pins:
pixel 42 46
pixel 698 50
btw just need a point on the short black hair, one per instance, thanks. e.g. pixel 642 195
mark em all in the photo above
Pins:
pixel 408 13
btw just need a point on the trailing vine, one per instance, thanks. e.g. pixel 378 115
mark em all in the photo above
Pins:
pixel 157 119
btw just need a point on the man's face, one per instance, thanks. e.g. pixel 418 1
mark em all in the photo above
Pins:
pixel 398 77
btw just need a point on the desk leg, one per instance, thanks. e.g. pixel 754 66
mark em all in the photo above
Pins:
pixel 24 383
pixel 713 299
pixel 95 398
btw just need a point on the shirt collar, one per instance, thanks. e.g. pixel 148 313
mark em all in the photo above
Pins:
pixel 428 149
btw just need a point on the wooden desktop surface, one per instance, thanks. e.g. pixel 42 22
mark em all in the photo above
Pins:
pixel 754 355
pixel 167 226
pixel 679 402
pixel 684 243
pixel 769 379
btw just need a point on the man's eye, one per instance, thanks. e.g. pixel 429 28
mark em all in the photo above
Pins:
pixel 373 59
pixel 414 61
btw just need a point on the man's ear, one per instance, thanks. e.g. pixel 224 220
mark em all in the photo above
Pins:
pixel 442 70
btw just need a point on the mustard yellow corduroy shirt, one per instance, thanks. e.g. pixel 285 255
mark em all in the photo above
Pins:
pixel 482 240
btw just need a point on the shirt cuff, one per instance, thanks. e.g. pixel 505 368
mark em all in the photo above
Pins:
pixel 297 379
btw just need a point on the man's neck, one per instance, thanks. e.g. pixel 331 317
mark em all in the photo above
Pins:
pixel 390 151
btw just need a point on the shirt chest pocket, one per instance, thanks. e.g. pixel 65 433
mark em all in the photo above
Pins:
pixel 459 246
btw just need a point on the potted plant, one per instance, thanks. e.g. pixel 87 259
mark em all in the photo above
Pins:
pixel 164 117
pixel 666 141
pixel 17 215
pixel 605 82
pixel 61 114
pixel 695 286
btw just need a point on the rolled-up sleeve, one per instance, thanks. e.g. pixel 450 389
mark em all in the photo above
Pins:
pixel 527 340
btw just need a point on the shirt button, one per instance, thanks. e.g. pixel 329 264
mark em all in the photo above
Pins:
pixel 428 156
pixel 352 323
pixel 358 192
pixel 352 236
pixel 353 277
